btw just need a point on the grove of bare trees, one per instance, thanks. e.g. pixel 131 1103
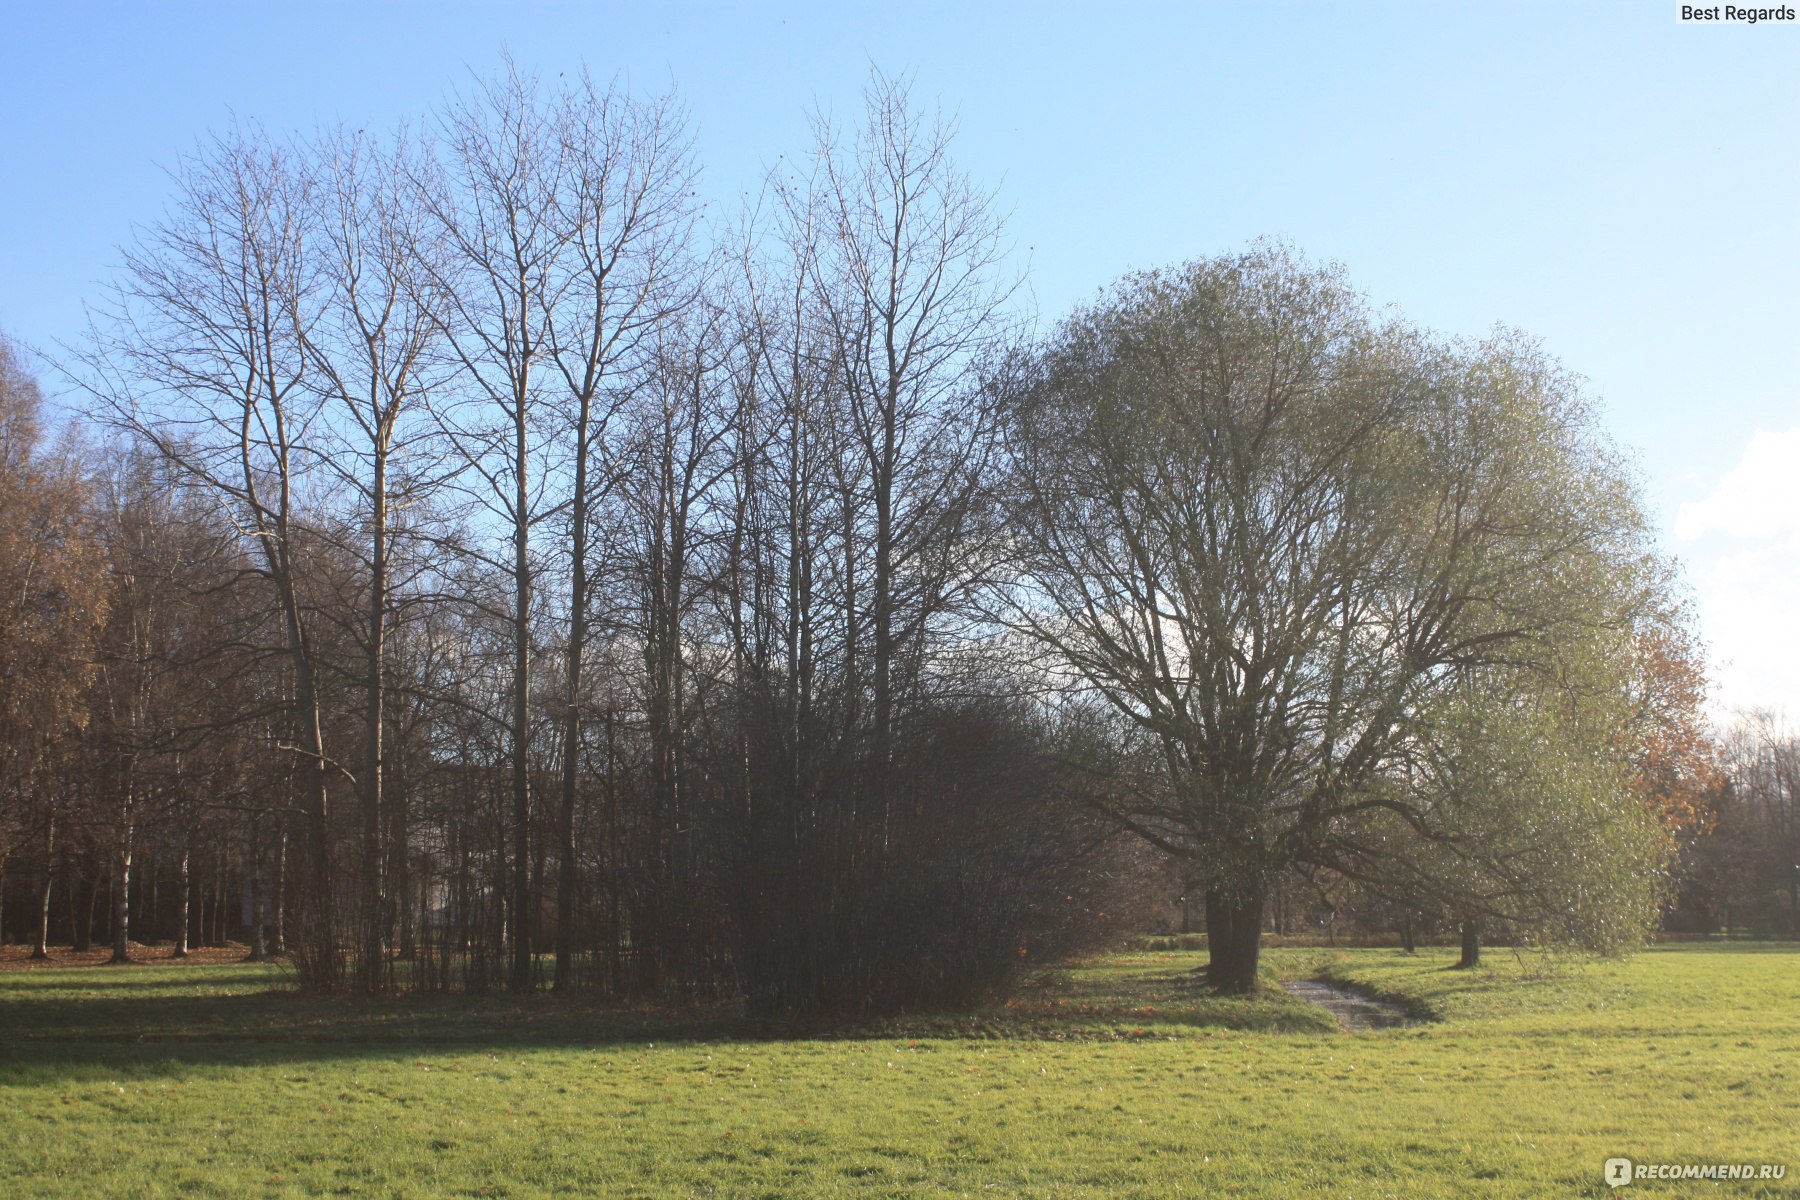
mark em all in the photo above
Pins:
pixel 486 570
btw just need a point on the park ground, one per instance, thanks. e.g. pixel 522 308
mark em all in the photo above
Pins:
pixel 1119 1077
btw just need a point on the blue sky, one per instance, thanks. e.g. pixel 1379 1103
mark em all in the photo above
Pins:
pixel 1622 185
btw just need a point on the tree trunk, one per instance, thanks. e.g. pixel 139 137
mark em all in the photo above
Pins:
pixel 121 931
pixel 183 896
pixel 374 916
pixel 86 895
pixel 521 712
pixel 1471 945
pixel 149 900
pixel 252 896
pixel 259 947
pixel 615 967
pixel 280 946
pixel 572 683
pixel 1794 900
pixel 42 949
pixel 1218 920
pixel 401 892
pixel 1234 937
pixel 565 875
pixel 221 900
pixel 320 968
pixel 1408 941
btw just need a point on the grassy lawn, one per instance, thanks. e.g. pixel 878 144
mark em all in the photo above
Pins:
pixel 1117 1078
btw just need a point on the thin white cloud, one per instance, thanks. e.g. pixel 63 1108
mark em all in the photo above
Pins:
pixel 1750 614
pixel 1743 551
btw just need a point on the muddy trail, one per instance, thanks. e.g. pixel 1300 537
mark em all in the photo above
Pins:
pixel 1353 1010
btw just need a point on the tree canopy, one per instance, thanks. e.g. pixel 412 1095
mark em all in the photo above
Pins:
pixel 1280 534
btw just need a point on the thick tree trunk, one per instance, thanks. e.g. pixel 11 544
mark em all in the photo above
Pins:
pixel 1218 920
pixel 1408 941
pixel 1234 937
pixel 1471 945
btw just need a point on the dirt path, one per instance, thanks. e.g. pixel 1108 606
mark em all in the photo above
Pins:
pixel 1352 1010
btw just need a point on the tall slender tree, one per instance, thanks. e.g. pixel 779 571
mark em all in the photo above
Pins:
pixel 202 357
pixel 567 214
pixel 373 354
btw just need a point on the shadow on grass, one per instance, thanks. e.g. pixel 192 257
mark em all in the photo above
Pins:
pixel 246 1014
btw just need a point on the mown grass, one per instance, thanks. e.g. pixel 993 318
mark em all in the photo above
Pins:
pixel 1118 1078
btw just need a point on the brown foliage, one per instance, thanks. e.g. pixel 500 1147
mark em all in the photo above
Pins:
pixel 52 585
pixel 1677 761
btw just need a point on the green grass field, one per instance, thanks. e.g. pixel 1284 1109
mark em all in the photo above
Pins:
pixel 1117 1078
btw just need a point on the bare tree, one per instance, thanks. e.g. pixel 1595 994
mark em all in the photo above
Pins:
pixel 568 218
pixel 855 521
pixel 372 350
pixel 1746 872
pixel 631 268
pixel 680 453
pixel 904 266
pixel 202 356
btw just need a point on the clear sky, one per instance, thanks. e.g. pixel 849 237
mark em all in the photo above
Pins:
pixel 1621 184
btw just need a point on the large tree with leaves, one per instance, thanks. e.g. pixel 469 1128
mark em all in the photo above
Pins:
pixel 1273 531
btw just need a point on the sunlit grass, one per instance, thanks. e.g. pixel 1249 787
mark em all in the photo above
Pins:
pixel 1119 1078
